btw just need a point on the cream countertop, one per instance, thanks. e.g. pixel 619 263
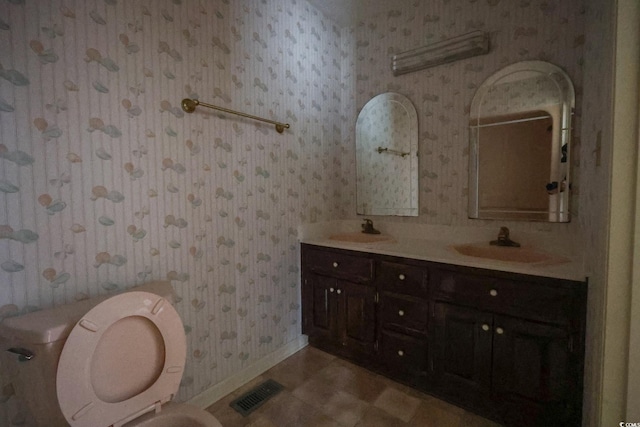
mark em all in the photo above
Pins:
pixel 435 244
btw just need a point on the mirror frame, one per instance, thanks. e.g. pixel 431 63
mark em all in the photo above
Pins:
pixel 363 204
pixel 559 209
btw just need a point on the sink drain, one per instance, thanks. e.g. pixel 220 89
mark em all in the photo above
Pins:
pixel 256 397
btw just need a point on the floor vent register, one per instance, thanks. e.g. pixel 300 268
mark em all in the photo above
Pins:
pixel 256 397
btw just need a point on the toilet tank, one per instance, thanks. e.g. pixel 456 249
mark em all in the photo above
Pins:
pixel 43 333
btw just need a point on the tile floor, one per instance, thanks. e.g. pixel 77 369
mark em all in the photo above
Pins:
pixel 322 390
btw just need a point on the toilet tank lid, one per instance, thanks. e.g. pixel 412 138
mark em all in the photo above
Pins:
pixel 55 324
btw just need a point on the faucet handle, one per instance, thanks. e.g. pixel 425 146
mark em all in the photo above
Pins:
pixel 367 227
pixel 504 239
pixel 504 233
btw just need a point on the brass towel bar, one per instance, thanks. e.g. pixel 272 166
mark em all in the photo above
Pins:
pixel 189 106
pixel 391 151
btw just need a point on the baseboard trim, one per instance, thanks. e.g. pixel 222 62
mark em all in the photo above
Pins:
pixel 226 386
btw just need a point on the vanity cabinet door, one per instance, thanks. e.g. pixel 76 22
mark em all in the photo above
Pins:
pixel 533 376
pixel 461 356
pixel 339 315
pixel 521 372
pixel 320 320
pixel 357 316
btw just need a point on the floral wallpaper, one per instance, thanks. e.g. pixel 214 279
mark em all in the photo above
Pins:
pixel 551 31
pixel 520 96
pixel 106 183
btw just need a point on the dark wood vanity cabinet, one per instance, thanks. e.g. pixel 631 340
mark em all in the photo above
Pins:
pixel 338 302
pixel 511 345
pixel 508 346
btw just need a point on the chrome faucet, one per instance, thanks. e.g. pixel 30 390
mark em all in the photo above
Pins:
pixel 504 240
pixel 367 227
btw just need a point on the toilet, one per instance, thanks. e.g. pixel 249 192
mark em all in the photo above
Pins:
pixel 108 361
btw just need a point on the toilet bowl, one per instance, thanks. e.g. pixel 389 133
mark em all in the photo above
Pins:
pixel 107 362
pixel 176 415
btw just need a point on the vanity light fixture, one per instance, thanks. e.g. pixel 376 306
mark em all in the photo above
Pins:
pixel 460 47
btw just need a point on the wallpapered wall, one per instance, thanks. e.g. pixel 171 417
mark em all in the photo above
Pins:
pixel 544 30
pixel 106 183
pixel 597 139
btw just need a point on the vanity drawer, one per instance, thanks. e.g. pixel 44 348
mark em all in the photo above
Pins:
pixel 404 313
pixel 464 289
pixel 524 299
pixel 340 265
pixel 403 353
pixel 402 279
pixel 535 301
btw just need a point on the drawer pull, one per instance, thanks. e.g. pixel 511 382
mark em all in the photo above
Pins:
pixel 331 289
pixel 485 327
pixel 493 292
pixel 401 277
pixel 339 291
pixel 401 313
pixel 335 264
pixel 400 353
pixel 499 331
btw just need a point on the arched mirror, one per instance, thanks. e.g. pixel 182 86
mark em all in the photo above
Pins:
pixel 520 131
pixel 387 157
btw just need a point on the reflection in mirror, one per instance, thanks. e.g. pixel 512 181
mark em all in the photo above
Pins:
pixel 520 129
pixel 387 157
pixel 524 166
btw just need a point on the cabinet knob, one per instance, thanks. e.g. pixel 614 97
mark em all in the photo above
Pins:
pixel 493 292
pixel 401 277
pixel 339 291
pixel 335 264
pixel 400 353
pixel 485 327
pixel 331 289
pixel 401 313
pixel 499 331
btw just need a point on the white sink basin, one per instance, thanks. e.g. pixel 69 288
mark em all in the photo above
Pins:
pixel 510 254
pixel 361 237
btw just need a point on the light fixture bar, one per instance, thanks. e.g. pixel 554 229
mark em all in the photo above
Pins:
pixel 460 47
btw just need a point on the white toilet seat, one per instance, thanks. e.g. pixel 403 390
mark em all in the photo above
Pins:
pixel 149 326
